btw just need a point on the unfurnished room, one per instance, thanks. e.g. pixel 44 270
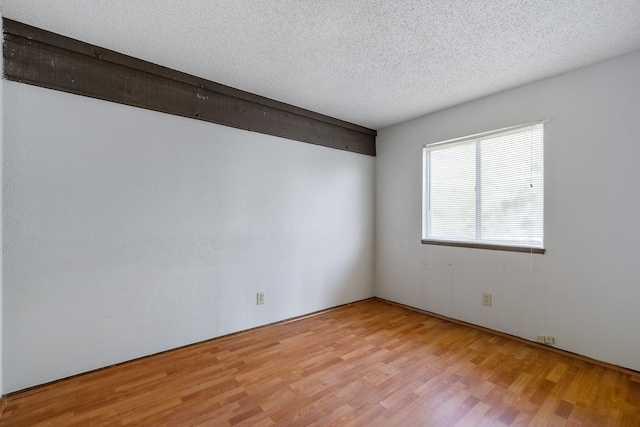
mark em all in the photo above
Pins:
pixel 320 213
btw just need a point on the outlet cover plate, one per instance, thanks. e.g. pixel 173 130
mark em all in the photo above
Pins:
pixel 486 299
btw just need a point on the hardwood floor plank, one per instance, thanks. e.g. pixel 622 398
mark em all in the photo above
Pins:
pixel 370 363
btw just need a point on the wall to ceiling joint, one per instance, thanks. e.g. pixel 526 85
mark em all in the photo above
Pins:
pixel 50 60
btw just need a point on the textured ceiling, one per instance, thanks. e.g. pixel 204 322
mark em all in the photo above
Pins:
pixel 370 62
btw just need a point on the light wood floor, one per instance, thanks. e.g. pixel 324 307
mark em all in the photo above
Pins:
pixel 366 364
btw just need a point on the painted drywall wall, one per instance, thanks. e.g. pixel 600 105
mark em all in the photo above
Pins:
pixel 585 290
pixel 129 232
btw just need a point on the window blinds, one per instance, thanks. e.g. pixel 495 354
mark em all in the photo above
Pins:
pixel 486 188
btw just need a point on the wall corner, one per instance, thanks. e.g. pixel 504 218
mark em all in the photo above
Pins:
pixel 1 198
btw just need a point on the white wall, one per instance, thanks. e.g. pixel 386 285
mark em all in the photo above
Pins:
pixel 585 290
pixel 129 232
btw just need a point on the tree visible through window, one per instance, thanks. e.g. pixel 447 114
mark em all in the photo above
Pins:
pixel 486 189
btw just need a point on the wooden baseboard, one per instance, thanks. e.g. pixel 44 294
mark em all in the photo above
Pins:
pixel 635 375
pixel 45 386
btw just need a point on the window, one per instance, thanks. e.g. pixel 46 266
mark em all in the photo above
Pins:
pixel 486 190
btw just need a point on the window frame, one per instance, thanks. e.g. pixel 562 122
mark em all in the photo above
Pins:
pixel 477 244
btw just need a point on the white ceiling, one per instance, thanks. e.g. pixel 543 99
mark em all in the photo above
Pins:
pixel 370 62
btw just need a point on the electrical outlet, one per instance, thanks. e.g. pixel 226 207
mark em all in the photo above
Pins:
pixel 545 339
pixel 260 298
pixel 486 299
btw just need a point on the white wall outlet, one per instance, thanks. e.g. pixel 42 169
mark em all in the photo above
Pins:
pixel 260 298
pixel 486 299
pixel 545 339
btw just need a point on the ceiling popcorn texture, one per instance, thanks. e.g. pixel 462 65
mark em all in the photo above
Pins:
pixel 371 62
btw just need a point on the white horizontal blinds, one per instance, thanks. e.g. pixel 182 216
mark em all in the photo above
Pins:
pixel 486 189
pixel 452 197
pixel 511 177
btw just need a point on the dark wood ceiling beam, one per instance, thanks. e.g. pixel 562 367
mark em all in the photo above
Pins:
pixel 42 58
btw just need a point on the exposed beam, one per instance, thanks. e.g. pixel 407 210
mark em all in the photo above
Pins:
pixel 42 58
